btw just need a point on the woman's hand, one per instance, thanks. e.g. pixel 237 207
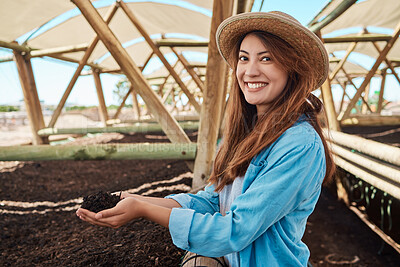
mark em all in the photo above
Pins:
pixel 126 194
pixel 127 209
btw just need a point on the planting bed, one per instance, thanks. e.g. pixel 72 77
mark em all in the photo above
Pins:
pixel 39 227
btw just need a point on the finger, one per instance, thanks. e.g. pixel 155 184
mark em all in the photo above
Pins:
pixel 92 220
pixel 85 212
pixel 108 213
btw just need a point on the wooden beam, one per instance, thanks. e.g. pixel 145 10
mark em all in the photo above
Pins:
pixel 147 61
pixel 340 9
pixel 15 47
pixel 160 55
pixel 170 126
pixel 380 101
pixel 213 99
pixel 368 177
pixel 141 127
pixel 123 102
pixel 131 90
pixel 102 103
pixel 78 70
pixel 329 105
pixel 371 120
pixel 31 98
pixel 358 38
pixel 375 149
pixel 327 97
pixel 352 83
pixel 243 6
pixel 59 50
pixel 177 43
pixel 135 104
pixel 161 87
pixel 388 63
pixel 68 59
pixel 191 72
pixel 342 61
pixel 390 173
pixel 371 73
pixel 153 151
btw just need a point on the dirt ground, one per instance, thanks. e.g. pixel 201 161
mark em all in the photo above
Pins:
pixel 39 227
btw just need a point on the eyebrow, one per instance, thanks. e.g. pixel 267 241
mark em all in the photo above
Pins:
pixel 260 53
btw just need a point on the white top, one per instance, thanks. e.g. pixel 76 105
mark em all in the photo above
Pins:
pixel 226 197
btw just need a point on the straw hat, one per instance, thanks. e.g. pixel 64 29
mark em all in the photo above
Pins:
pixel 280 24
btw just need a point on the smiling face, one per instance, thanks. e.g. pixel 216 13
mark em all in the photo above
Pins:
pixel 260 78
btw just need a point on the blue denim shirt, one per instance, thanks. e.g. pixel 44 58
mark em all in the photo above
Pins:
pixel 266 222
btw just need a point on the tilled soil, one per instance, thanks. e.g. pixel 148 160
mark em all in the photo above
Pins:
pixel 50 234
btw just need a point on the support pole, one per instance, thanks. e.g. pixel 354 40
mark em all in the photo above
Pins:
pixel 131 91
pixel 191 72
pixel 31 97
pixel 123 102
pixel 380 101
pixel 371 73
pixel 213 99
pixel 102 103
pixel 352 83
pixel 342 61
pixel 142 127
pixel 132 72
pixel 158 52
pixel 185 151
pixel 82 63
pixel 329 105
pixel 135 104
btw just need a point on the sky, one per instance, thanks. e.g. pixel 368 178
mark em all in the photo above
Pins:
pixel 52 76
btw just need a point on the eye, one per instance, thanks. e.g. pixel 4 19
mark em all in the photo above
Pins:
pixel 243 58
pixel 266 59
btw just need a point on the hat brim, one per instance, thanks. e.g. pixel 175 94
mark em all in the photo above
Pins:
pixel 305 42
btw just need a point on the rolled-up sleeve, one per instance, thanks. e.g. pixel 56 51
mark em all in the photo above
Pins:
pixel 279 186
pixel 205 201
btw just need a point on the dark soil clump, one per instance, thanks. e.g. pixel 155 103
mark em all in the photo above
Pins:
pixel 100 201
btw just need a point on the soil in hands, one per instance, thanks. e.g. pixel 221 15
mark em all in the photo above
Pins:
pixel 100 201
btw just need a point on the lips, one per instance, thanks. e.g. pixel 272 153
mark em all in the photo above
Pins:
pixel 256 85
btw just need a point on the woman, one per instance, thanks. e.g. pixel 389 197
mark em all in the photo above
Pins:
pixel 268 172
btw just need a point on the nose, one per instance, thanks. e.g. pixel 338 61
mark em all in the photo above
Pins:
pixel 252 69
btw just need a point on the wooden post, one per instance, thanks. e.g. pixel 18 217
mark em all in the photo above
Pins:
pixel 380 101
pixel 178 151
pixel 387 61
pixel 329 105
pixel 191 72
pixel 123 103
pixel 157 51
pixel 213 99
pixel 31 98
pixel 147 61
pixel 342 61
pixel 366 99
pixel 102 103
pixel 340 9
pixel 135 128
pixel 135 104
pixel 131 91
pixel 58 50
pixel 170 126
pixel 371 73
pixel 82 63
pixel 165 80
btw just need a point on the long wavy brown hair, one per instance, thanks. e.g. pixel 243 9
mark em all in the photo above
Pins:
pixel 246 134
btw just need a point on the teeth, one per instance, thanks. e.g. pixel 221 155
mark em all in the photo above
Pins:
pixel 256 85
